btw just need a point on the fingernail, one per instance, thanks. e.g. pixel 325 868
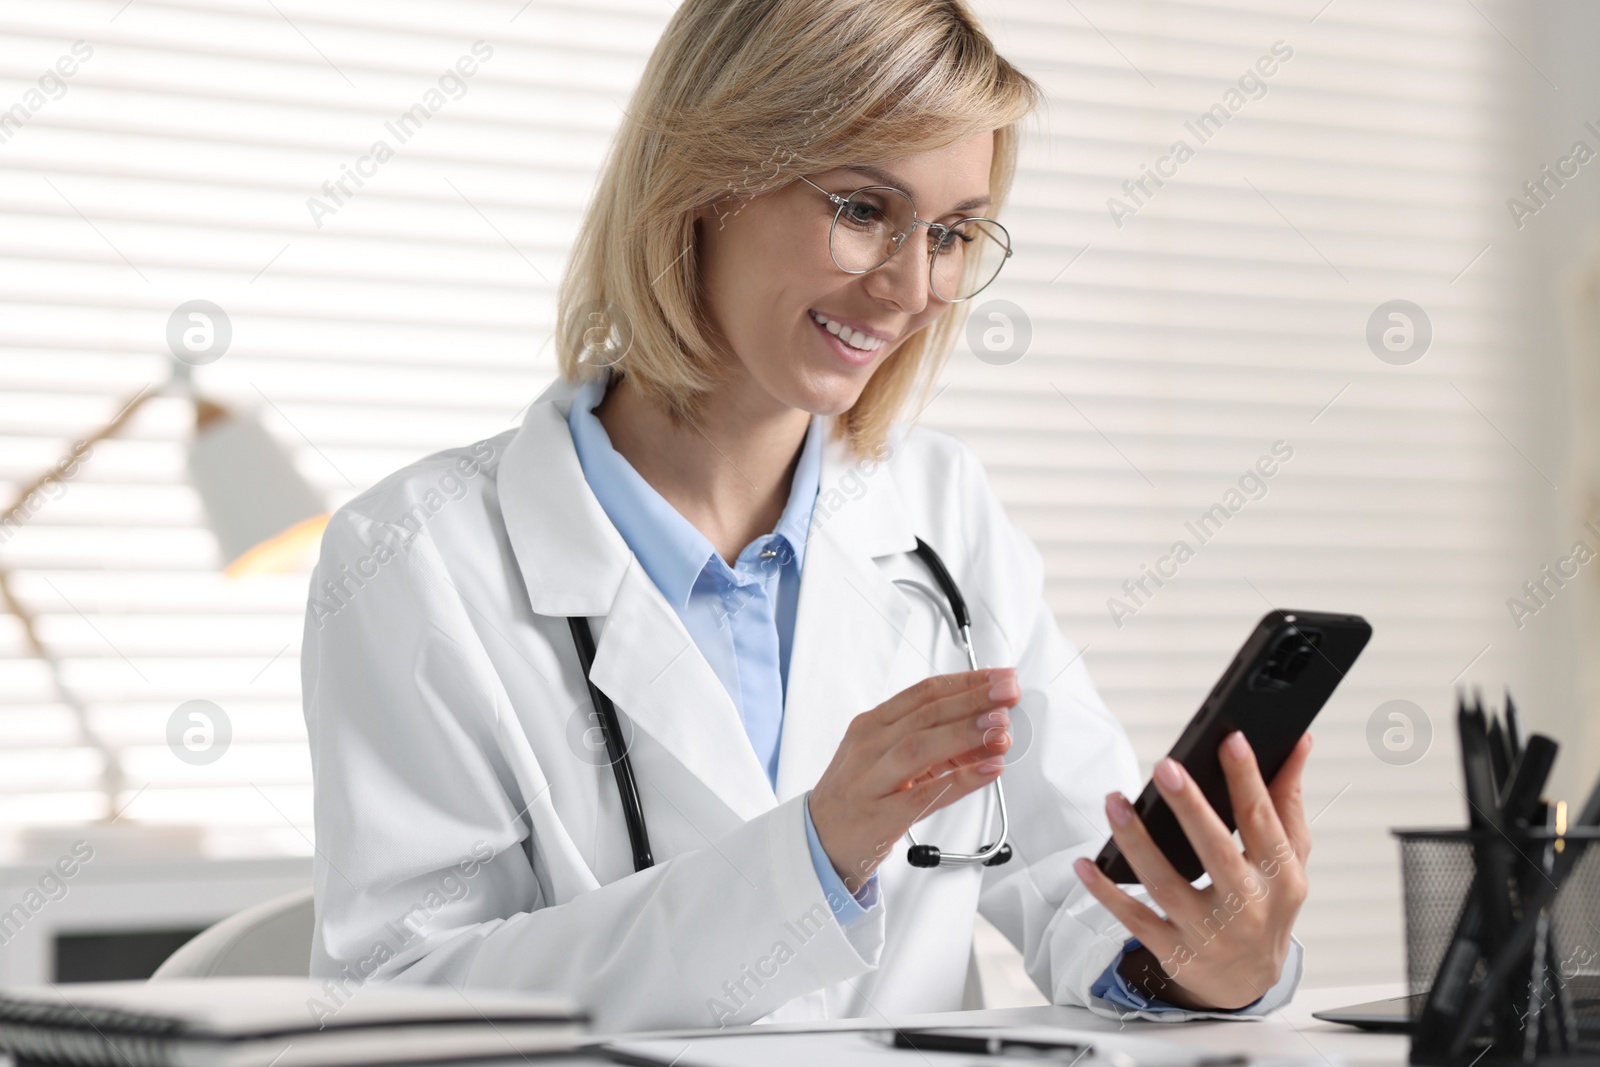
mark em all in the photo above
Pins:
pixel 1084 869
pixel 1238 747
pixel 998 717
pixel 1118 810
pixel 1169 774
pixel 1003 683
pixel 991 766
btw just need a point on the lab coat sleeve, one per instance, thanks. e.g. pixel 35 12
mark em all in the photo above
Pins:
pixel 1067 755
pixel 1119 991
pixel 848 908
pixel 422 868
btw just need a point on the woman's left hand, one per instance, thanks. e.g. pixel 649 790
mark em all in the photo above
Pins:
pixel 1224 946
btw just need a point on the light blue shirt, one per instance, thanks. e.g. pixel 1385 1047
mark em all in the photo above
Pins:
pixel 1115 988
pixel 740 617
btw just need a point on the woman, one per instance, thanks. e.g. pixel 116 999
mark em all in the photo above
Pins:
pixel 719 490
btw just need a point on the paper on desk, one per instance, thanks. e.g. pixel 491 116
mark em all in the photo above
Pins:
pixel 858 1048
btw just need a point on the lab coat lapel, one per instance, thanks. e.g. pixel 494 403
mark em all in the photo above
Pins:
pixel 647 663
pixel 574 562
pixel 850 616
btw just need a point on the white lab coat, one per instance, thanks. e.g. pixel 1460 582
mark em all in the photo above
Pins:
pixel 468 832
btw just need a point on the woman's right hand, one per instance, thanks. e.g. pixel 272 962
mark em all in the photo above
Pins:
pixel 924 748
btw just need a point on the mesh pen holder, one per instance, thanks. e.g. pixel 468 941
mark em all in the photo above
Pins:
pixel 1548 1009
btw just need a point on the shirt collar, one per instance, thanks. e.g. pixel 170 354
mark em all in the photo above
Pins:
pixel 669 548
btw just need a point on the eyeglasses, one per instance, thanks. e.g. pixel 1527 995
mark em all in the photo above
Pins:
pixel 874 223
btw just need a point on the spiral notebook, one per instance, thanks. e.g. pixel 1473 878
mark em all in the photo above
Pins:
pixel 274 1022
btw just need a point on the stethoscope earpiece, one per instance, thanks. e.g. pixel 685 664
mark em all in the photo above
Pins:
pixel 1003 856
pixel 928 856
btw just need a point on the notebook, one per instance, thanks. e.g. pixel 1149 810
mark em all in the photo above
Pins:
pixel 274 1022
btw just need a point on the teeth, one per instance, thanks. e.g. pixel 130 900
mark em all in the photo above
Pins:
pixel 854 338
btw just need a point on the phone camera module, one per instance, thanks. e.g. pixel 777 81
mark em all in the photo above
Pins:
pixel 1288 658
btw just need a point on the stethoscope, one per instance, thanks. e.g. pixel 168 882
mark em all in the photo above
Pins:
pixel 918 855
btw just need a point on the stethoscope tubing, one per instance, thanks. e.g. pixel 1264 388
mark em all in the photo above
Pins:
pixel 918 855
pixel 616 752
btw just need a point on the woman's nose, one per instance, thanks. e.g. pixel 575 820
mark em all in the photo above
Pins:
pixel 906 276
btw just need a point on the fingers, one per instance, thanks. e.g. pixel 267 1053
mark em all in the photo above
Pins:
pixel 940 748
pixel 1253 808
pixel 1167 887
pixel 1286 797
pixel 924 798
pixel 1142 922
pixel 931 689
pixel 1207 833
pixel 944 698
pixel 950 727
pixel 1000 692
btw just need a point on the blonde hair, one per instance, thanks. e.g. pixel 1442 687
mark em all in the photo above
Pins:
pixel 739 97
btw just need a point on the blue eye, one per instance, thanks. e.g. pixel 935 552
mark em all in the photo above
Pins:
pixel 870 213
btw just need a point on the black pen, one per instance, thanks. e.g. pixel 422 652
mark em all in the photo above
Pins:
pixel 1499 754
pixel 981 1044
pixel 995 1044
pixel 1493 869
pixel 1513 726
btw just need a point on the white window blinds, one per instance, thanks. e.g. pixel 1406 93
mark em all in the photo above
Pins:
pixel 380 199
pixel 1200 430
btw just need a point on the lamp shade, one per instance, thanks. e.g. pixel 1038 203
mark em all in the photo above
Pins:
pixel 265 515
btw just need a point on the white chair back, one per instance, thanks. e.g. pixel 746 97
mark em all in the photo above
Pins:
pixel 272 938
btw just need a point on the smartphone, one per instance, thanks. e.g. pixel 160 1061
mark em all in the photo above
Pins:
pixel 1281 677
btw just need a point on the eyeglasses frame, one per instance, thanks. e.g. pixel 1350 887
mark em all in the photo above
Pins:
pixel 936 229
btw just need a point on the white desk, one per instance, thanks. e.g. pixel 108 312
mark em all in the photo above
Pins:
pixel 1289 1032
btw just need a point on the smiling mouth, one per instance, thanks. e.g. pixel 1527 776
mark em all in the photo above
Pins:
pixel 854 338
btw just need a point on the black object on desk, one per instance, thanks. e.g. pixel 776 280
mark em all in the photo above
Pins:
pixel 1499 989
pixel 1519 804
pixel 982 1043
pixel 1437 1017
pixel 1501 917
pixel 1487 915
pixel 1395 1015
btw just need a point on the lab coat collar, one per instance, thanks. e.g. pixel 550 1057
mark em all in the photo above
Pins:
pixel 848 620
pixel 571 557
pixel 576 558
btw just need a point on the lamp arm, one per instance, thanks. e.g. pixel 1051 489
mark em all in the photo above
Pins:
pixel 10 515
pixel 111 777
